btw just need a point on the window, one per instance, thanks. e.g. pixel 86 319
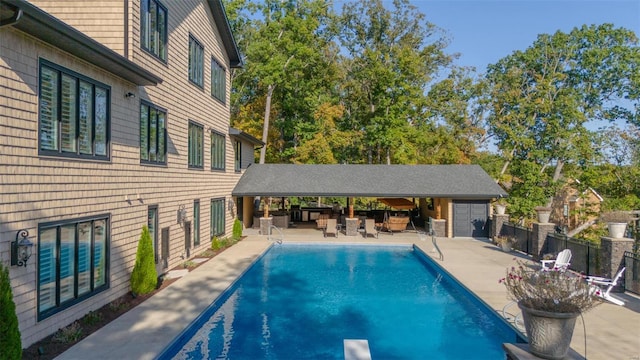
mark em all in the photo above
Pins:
pixel 196 145
pixel 217 217
pixel 238 158
pixel 73 262
pixel 152 224
pixel 196 62
pixel 153 134
pixel 217 151
pixel 218 81
pixel 74 115
pixel 154 28
pixel 196 222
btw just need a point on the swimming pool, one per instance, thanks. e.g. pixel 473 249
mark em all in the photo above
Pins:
pixel 302 301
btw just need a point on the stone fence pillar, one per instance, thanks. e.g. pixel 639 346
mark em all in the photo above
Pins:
pixel 612 256
pixel 540 231
pixel 352 226
pixel 497 223
pixel 439 227
pixel 265 225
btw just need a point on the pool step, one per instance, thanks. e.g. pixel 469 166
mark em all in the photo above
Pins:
pixel 355 349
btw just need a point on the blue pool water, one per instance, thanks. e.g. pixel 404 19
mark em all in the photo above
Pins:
pixel 301 302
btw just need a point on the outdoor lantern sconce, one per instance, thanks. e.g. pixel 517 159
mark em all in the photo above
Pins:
pixel 21 249
pixel 182 215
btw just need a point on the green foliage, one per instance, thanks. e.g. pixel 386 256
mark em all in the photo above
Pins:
pixel 10 342
pixel 144 277
pixel 216 243
pixel 68 334
pixel 541 98
pixel 92 318
pixel 237 229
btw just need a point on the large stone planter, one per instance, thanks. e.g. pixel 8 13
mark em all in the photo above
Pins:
pixel 549 333
pixel 500 208
pixel 617 230
pixel 543 215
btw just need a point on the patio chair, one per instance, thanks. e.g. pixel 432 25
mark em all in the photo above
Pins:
pixel 561 262
pixel 331 228
pixel 598 283
pixel 370 228
pixel 321 221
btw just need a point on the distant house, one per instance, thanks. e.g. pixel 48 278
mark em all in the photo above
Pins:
pixel 113 115
pixel 572 207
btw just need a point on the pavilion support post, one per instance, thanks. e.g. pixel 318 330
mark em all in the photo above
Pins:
pixel 267 202
pixel 438 209
pixel 351 215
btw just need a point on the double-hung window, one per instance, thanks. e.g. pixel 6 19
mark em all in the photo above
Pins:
pixel 196 223
pixel 73 262
pixel 152 224
pixel 153 30
pixel 196 62
pixel 153 134
pixel 218 81
pixel 74 114
pixel 238 156
pixel 217 151
pixel 217 217
pixel 196 145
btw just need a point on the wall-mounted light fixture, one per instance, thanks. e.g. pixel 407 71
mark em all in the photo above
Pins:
pixel 129 95
pixel 182 215
pixel 21 249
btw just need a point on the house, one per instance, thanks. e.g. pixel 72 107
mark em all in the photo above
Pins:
pixel 572 207
pixel 113 115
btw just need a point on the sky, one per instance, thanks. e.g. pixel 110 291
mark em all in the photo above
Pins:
pixel 484 31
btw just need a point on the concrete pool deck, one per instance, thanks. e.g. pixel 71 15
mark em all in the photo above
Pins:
pixel 143 332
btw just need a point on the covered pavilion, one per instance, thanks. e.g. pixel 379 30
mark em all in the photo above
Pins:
pixel 457 197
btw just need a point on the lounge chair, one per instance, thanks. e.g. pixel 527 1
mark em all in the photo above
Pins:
pixel 598 284
pixel 331 228
pixel 370 228
pixel 321 221
pixel 561 263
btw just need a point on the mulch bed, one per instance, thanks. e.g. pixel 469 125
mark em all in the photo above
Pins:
pixel 55 344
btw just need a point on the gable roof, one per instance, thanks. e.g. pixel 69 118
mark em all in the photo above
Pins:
pixel 239 134
pixel 222 23
pixel 51 30
pixel 449 181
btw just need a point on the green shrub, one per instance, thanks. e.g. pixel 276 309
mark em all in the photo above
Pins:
pixel 92 318
pixel 216 244
pixel 69 334
pixel 237 229
pixel 10 342
pixel 144 277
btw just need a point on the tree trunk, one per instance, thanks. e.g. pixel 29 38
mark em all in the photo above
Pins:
pixel 265 129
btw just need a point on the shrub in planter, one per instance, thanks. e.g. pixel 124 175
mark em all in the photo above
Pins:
pixel 237 229
pixel 10 342
pixel 506 242
pixel 144 277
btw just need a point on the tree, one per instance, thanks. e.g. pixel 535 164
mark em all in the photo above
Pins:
pixel 10 342
pixel 288 69
pixel 391 55
pixel 144 277
pixel 541 98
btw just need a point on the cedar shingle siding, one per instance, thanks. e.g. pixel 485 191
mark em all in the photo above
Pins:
pixel 47 189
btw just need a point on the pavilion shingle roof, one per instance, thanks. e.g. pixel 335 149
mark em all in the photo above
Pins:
pixel 451 181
